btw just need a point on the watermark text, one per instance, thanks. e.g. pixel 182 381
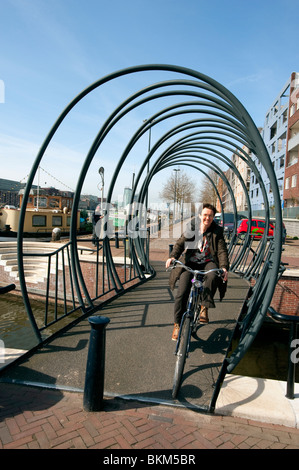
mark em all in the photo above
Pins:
pixel 157 221
pixel 295 352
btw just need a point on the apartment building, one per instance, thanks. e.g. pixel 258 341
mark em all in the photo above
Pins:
pixel 281 137
pixel 291 182
pixel 9 192
pixel 237 188
pixel 274 134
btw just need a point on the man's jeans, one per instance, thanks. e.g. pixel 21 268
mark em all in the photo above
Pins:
pixel 207 297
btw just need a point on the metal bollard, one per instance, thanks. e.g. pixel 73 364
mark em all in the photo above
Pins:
pixel 116 240
pixel 95 367
pixel 56 234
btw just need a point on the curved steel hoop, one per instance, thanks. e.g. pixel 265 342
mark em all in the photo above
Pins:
pixel 212 124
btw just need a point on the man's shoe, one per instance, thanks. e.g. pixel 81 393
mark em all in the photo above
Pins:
pixel 175 333
pixel 203 317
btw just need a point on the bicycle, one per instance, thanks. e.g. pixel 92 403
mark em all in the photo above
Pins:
pixel 189 320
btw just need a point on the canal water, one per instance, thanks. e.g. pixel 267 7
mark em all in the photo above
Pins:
pixel 15 328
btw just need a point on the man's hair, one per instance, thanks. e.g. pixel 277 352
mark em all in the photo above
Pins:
pixel 209 206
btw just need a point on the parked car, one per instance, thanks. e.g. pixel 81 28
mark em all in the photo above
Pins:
pixel 229 220
pixel 258 228
pixel 284 230
pixel 217 217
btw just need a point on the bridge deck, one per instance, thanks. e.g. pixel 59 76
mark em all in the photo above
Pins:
pixel 139 350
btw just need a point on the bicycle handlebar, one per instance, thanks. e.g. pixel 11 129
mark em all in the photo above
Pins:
pixel 195 271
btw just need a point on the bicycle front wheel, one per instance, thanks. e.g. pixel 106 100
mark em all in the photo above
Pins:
pixel 181 356
pixel 197 308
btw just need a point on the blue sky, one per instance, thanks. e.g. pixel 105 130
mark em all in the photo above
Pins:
pixel 52 50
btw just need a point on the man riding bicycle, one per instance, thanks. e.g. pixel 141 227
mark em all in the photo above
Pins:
pixel 204 247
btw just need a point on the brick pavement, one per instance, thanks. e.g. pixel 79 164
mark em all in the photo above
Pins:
pixel 35 418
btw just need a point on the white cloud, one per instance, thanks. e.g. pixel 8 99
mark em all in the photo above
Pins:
pixel 256 77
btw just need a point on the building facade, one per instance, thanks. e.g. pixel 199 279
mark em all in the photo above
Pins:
pixel 9 192
pixel 291 183
pixel 234 181
pixel 274 134
pixel 281 137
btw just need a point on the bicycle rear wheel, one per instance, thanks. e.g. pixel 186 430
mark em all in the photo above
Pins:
pixel 181 356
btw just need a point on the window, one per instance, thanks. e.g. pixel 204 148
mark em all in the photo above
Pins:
pixel 287 183
pixel 294 181
pixel 284 99
pixel 281 142
pixel 40 202
pixel 292 110
pixel 229 218
pixel 54 202
pixel 293 157
pixel 261 224
pixel 39 221
pixel 294 132
pixel 273 130
pixel 56 221
pixel 280 183
pixel 284 116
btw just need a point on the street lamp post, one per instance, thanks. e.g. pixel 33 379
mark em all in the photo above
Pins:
pixel 101 173
pixel 148 150
pixel 175 192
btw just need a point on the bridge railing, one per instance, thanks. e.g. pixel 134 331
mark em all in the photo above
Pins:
pixel 62 293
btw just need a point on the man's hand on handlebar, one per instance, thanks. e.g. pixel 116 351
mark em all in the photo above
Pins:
pixel 169 262
pixel 224 275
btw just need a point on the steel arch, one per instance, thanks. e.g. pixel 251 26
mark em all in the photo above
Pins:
pixel 231 123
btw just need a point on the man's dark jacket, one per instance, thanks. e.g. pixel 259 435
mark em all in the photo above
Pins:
pixel 217 245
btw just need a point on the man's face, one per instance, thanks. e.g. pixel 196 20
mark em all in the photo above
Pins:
pixel 207 217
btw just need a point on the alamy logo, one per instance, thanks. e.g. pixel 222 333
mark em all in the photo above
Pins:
pixel 295 352
pixel 295 93
pixel 2 91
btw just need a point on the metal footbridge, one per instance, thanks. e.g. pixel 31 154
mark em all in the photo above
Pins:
pixel 199 124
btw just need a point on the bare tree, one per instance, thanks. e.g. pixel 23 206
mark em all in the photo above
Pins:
pixel 208 193
pixel 179 188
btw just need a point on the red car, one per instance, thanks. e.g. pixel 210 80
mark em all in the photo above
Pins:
pixel 257 228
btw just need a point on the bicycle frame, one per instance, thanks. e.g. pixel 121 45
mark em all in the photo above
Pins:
pixel 185 331
pixel 196 289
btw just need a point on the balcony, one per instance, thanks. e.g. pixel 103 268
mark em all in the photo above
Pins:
pixel 293 142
